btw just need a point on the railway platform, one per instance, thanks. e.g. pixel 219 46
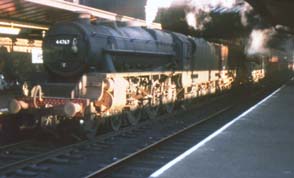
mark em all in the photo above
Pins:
pixel 257 144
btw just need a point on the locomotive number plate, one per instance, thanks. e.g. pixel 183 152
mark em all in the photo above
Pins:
pixel 62 41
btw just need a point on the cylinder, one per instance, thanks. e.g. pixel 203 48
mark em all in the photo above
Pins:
pixel 15 106
pixel 71 109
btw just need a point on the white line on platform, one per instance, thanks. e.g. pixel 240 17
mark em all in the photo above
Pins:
pixel 207 139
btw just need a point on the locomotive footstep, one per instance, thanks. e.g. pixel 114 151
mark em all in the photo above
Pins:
pixel 115 121
pixel 169 107
pixel 152 112
pixel 90 127
pixel 133 117
pixel 186 104
pixel 93 126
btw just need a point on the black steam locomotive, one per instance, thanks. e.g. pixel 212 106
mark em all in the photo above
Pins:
pixel 112 71
pixel 74 48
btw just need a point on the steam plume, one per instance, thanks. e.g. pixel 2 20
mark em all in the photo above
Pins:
pixel 152 6
pixel 258 40
pixel 246 9
pixel 197 8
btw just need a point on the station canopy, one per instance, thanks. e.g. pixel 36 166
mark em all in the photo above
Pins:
pixel 30 18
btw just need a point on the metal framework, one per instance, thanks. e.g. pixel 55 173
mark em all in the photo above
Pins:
pixel 40 14
pixel 73 7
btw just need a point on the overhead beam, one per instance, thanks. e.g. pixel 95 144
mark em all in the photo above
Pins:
pixel 76 8
pixel 18 24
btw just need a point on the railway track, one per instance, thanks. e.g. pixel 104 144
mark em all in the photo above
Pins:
pixel 114 150
pixel 142 163
pixel 16 155
pixel 33 165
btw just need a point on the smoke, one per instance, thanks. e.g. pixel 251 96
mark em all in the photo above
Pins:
pixel 200 9
pixel 198 14
pixel 151 9
pixel 258 40
pixel 191 19
pixel 245 10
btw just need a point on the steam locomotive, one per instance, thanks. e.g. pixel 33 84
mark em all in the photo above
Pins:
pixel 75 48
pixel 107 72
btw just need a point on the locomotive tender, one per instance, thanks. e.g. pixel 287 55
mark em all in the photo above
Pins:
pixel 112 68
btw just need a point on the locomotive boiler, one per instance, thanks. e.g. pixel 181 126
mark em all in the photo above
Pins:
pixel 74 48
pixel 110 72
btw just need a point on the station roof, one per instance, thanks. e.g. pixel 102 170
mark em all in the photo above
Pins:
pixel 34 16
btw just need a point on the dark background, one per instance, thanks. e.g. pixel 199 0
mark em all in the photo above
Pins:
pixel 133 8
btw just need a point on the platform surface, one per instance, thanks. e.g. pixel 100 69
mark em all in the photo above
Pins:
pixel 257 144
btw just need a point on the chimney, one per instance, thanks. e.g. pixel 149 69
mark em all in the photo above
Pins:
pixel 84 17
pixel 73 1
